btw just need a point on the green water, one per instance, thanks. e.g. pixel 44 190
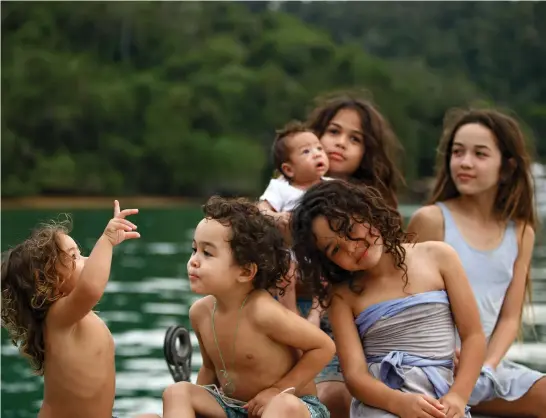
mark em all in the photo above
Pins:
pixel 148 291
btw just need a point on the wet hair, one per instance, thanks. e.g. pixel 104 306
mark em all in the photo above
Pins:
pixel 341 203
pixel 30 284
pixel 515 195
pixel 255 239
pixel 377 167
pixel 281 149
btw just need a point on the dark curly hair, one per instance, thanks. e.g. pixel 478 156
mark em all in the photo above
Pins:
pixel 255 239
pixel 378 167
pixel 30 285
pixel 341 203
pixel 281 149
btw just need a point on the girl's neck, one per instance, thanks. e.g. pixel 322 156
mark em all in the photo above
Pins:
pixel 385 266
pixel 480 206
pixel 338 176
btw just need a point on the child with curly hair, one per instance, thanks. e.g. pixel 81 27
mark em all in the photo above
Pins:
pixel 393 306
pixel 48 292
pixel 248 341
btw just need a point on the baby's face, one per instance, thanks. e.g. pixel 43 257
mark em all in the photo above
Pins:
pixel 307 162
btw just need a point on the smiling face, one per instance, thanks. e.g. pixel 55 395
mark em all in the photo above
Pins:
pixel 307 161
pixel 475 160
pixel 343 142
pixel 211 268
pixel 362 250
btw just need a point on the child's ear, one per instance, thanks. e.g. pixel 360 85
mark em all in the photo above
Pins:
pixel 287 170
pixel 248 272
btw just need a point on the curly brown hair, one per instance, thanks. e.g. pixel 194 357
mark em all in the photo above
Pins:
pixel 378 167
pixel 281 149
pixel 342 203
pixel 30 284
pixel 255 239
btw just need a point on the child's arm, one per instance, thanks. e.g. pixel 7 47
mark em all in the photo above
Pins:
pixel 361 384
pixel 467 319
pixel 508 323
pixel 207 372
pixel 290 329
pixel 93 279
pixel 315 312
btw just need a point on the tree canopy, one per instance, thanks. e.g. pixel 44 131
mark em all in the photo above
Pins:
pixel 182 98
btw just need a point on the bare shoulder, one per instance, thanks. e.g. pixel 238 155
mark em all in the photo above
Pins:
pixel 342 292
pixel 525 234
pixel 438 251
pixel 427 223
pixel 263 308
pixel 200 308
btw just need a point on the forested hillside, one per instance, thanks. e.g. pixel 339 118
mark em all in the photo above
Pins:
pixel 182 98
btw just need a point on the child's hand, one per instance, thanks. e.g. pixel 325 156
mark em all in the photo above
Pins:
pixel 420 406
pixel 119 229
pixel 256 405
pixel 454 405
pixel 283 219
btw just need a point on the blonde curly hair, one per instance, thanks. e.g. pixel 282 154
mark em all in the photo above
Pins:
pixel 30 283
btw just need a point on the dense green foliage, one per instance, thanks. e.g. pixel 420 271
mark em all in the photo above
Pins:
pixel 182 98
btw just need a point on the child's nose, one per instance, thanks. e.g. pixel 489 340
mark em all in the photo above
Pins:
pixel 341 141
pixel 193 261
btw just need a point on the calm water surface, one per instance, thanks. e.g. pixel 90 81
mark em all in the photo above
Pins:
pixel 149 291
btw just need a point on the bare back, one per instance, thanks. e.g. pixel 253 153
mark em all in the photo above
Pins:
pixel 259 361
pixel 79 376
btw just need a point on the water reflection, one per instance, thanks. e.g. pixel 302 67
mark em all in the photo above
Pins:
pixel 149 291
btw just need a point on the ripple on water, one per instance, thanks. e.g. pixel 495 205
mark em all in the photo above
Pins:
pixel 532 354
pixel 166 308
pixel 150 285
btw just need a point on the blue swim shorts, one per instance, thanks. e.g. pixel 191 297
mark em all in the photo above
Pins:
pixel 234 408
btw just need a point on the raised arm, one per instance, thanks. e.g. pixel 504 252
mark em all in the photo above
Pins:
pixel 509 320
pixel 90 286
pixel 467 319
pixel 427 223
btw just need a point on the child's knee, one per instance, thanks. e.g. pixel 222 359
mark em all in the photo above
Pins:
pixel 286 405
pixel 177 391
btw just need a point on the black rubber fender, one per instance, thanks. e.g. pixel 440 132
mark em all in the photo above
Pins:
pixel 178 352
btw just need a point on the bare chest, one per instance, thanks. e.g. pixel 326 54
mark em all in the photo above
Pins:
pixel 237 346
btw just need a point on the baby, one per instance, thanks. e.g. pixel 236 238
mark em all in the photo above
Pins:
pixel 299 157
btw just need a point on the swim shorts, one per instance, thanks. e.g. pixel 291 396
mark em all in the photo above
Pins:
pixel 234 407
